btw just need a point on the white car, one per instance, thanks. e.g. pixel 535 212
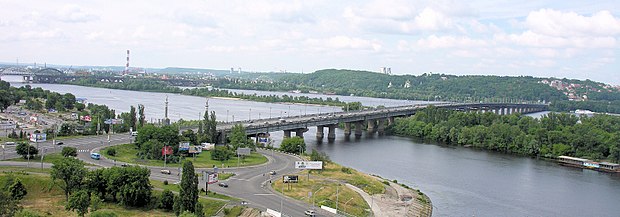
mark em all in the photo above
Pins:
pixel 310 212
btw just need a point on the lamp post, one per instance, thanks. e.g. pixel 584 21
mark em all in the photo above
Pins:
pixel 345 205
pixel 269 112
pixel 250 115
pixel 313 193
pixel 226 115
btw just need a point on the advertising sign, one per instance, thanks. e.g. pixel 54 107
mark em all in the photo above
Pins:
pixel 290 179
pixel 243 151
pixel 167 150
pixel 207 146
pixel 38 137
pixel 195 149
pixel 113 121
pixel 210 177
pixel 309 165
pixel 86 118
pixel 184 146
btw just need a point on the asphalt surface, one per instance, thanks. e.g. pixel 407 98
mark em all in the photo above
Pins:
pixel 250 184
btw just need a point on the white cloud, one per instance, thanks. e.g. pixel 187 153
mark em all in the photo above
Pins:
pixel 343 42
pixel 434 41
pixel 75 14
pixel 532 39
pixel 562 24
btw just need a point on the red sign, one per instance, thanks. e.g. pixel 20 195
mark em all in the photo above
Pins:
pixel 167 150
pixel 86 118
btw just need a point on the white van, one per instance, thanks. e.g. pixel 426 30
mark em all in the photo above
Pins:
pixel 134 133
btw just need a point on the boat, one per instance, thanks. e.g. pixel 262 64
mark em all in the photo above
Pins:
pixel 589 164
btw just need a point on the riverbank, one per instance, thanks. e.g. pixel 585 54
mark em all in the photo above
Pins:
pixel 355 193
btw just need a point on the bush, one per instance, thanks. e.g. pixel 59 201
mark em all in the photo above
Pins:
pixel 26 150
pixel 111 151
pixel 18 190
pixel 103 213
pixel 165 182
pixel 27 213
pixel 69 151
pixel 346 170
pixel 167 200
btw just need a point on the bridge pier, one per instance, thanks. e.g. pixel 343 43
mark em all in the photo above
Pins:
pixel 331 134
pixel 287 134
pixel 319 133
pixel 390 121
pixel 372 126
pixel 358 129
pixel 381 126
pixel 347 129
pixel 300 132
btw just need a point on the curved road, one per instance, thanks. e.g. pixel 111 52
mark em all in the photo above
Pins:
pixel 251 184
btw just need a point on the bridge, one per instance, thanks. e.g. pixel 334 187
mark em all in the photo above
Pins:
pixel 31 74
pixel 375 120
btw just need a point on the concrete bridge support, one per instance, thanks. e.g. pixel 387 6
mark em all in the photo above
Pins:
pixel 358 128
pixel 347 129
pixel 331 133
pixel 390 121
pixel 502 111
pixel 300 132
pixel 319 133
pixel 381 126
pixel 287 134
pixel 372 126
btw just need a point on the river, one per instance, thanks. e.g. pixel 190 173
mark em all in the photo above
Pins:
pixel 459 181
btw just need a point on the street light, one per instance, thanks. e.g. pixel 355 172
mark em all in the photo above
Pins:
pixel 313 193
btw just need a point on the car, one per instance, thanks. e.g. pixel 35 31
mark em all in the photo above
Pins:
pixel 9 143
pixel 165 172
pixel 310 212
pixel 223 185
pixel 95 156
pixel 124 165
pixel 244 202
pixel 273 172
pixel 60 143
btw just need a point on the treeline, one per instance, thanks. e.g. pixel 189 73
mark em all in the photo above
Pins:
pixel 592 105
pixel 36 98
pixel 161 86
pixel 555 134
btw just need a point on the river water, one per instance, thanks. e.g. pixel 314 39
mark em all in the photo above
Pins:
pixel 459 181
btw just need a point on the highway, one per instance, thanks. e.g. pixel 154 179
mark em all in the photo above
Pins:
pixel 250 184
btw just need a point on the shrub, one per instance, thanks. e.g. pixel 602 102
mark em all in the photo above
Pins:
pixel 111 151
pixel 346 170
pixel 69 151
pixel 167 200
pixel 165 182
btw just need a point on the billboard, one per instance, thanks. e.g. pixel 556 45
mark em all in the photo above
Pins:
pixel 195 149
pixel 167 150
pixel 290 179
pixel 207 146
pixel 184 146
pixel 86 118
pixel 309 165
pixel 210 177
pixel 243 151
pixel 113 121
pixel 38 137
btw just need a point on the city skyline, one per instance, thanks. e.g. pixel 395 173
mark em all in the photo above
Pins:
pixel 571 39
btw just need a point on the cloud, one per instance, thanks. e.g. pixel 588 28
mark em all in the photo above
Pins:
pixel 532 39
pixel 434 41
pixel 75 14
pixel 563 24
pixel 343 42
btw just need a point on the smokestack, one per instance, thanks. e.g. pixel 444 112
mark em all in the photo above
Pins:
pixel 127 65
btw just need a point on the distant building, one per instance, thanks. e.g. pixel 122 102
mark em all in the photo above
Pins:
pixel 407 84
pixel 390 85
pixel 385 70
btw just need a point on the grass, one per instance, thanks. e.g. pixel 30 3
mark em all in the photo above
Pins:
pixel 234 211
pixel 322 180
pixel 33 169
pixel 49 200
pixel 48 158
pixel 175 188
pixel 128 153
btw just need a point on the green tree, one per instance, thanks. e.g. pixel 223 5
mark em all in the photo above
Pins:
pixel 68 101
pixel 80 106
pixel 26 150
pixel 34 104
pixel 79 202
pixel 238 138
pixel 8 205
pixel 167 200
pixel 222 153
pixel 132 119
pixel 189 188
pixel 352 106
pixel 95 202
pixel 111 151
pixel 70 172
pixel 136 188
pixel 293 145
pixel 18 190
pixel 189 136
pixel 141 117
pixel 69 151
pixel 319 156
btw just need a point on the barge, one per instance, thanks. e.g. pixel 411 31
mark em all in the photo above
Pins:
pixel 589 164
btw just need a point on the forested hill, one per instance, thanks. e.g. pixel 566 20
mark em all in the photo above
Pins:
pixel 446 87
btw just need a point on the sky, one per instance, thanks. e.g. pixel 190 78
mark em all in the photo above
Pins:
pixel 543 38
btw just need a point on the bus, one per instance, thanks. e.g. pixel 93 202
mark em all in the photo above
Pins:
pixel 95 156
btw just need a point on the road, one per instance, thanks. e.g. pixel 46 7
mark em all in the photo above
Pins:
pixel 251 184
